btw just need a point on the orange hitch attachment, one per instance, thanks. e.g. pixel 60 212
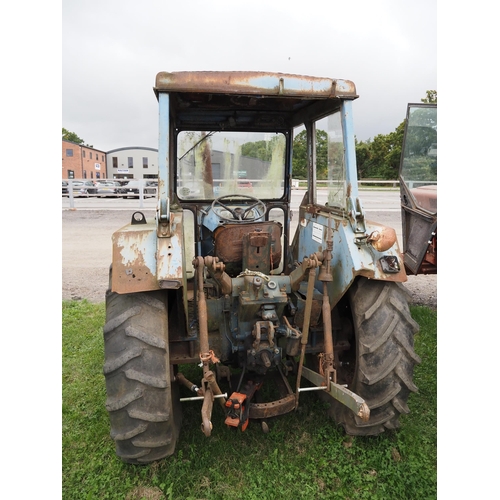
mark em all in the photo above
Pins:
pixel 235 410
pixel 238 406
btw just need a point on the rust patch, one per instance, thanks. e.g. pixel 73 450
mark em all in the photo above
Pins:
pixel 229 241
pixel 272 409
pixel 134 263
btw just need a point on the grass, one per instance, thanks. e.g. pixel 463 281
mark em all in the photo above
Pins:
pixel 304 456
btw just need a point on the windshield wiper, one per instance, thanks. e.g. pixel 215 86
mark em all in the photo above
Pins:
pixel 204 138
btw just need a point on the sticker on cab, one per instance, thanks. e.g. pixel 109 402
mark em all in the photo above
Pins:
pixel 317 232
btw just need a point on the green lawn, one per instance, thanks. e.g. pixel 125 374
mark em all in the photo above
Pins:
pixel 305 456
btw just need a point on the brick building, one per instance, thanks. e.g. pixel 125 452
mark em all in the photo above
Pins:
pixel 82 162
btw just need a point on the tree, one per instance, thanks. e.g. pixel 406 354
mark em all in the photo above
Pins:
pixel 258 149
pixel 71 136
pixel 322 154
pixel 432 97
pixel 362 157
pixel 381 157
pixel 299 160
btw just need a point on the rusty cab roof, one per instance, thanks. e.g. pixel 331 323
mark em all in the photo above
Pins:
pixel 242 100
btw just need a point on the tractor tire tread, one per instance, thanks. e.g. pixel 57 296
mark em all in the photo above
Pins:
pixel 143 409
pixel 385 356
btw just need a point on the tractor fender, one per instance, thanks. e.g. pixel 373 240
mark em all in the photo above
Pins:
pixel 351 257
pixel 142 261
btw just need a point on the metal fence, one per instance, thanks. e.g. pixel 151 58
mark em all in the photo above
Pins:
pixel 147 188
pixel 108 188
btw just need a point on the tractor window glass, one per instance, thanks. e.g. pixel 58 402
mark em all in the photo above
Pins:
pixel 330 162
pixel 213 164
pixel 419 167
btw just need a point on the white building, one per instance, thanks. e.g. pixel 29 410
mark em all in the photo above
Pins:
pixel 132 163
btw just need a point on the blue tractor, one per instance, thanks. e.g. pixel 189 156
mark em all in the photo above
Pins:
pixel 223 277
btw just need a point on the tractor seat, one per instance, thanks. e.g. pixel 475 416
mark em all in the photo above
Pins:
pixel 249 245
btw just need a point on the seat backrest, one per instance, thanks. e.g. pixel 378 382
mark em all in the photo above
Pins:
pixel 255 244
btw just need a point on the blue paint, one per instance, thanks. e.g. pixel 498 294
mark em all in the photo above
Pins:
pixel 163 146
pixel 348 259
pixel 292 84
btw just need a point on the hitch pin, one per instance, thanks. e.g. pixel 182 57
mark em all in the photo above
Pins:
pixel 317 388
pixel 199 398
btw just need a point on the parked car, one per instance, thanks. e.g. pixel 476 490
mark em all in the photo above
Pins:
pixel 65 190
pixel 108 189
pixel 244 184
pixel 84 189
pixel 131 190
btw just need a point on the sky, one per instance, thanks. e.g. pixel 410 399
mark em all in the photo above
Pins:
pixel 113 49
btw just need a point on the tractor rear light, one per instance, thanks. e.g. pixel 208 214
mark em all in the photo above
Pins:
pixel 383 238
pixel 390 264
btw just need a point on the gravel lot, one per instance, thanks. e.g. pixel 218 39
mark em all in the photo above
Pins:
pixel 86 256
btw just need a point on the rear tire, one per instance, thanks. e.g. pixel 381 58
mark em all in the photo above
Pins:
pixel 142 399
pixel 379 365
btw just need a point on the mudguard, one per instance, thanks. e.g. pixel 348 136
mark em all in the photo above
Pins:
pixel 142 261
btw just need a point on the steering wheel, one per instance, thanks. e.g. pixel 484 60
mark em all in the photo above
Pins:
pixel 239 213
